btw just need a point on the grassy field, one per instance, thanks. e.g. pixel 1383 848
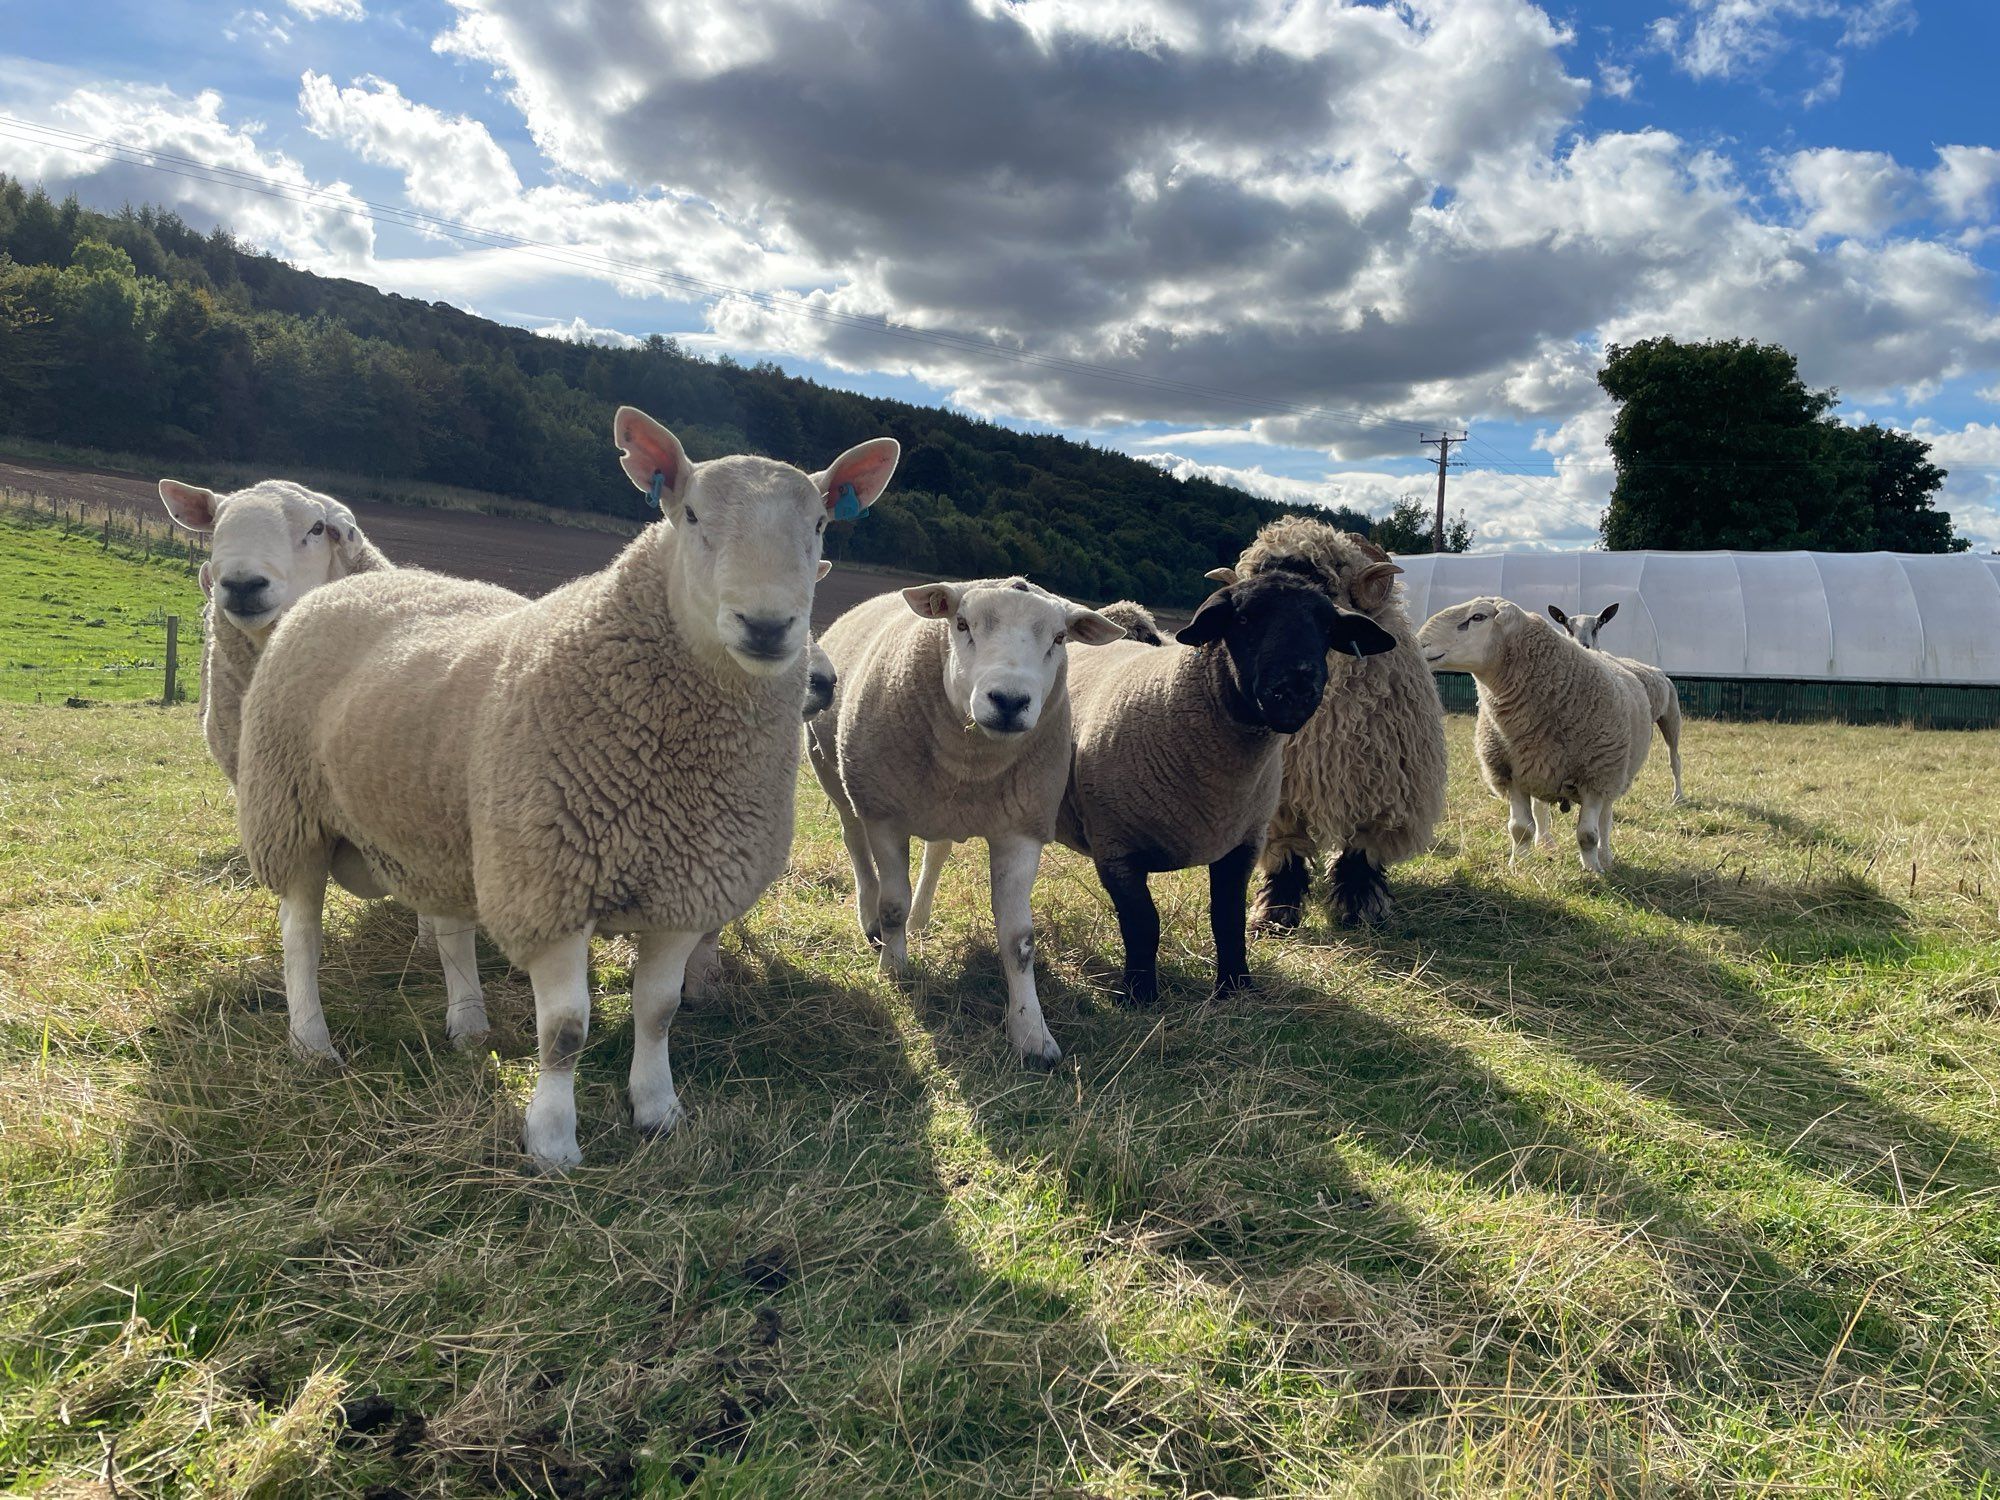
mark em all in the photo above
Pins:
pixel 1680 1183
pixel 79 621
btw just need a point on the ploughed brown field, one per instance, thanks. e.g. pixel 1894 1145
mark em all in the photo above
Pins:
pixel 513 551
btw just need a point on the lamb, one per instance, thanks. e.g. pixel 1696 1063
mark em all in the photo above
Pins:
pixel 618 756
pixel 1367 774
pixel 271 545
pixel 1557 723
pixel 1179 752
pixel 1584 630
pixel 951 721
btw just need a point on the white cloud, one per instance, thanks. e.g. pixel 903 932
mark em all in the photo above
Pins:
pixel 320 225
pixel 1616 80
pixel 1964 182
pixel 1855 193
pixel 328 10
pixel 577 331
pixel 1720 39
pixel 1971 494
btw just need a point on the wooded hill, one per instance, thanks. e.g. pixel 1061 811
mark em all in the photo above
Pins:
pixel 135 333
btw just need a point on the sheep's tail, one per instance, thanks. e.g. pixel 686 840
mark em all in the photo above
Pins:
pixel 1138 622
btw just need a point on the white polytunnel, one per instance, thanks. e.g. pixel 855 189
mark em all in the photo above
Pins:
pixel 1797 616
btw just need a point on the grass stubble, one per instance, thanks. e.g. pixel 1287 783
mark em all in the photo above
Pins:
pixel 1682 1183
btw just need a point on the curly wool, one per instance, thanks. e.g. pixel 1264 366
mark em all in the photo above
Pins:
pixel 1137 620
pixel 542 766
pixel 1558 721
pixel 1368 771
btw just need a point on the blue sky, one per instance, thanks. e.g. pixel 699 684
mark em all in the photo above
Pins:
pixel 1266 241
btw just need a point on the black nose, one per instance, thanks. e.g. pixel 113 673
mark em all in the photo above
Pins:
pixel 766 637
pixel 242 590
pixel 1010 705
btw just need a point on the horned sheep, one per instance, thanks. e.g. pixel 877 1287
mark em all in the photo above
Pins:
pixel 1557 723
pixel 619 756
pixel 1367 775
pixel 1584 630
pixel 1179 753
pixel 951 721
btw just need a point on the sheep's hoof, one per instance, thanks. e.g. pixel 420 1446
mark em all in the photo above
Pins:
pixel 1139 992
pixel 1274 921
pixel 1042 1056
pixel 660 1129
pixel 1231 984
pixel 471 1043
pixel 315 1054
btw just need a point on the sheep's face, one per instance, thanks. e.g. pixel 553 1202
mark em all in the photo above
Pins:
pixel 749 534
pixel 1005 661
pixel 1467 637
pixel 820 680
pixel 270 546
pixel 1583 629
pixel 1275 629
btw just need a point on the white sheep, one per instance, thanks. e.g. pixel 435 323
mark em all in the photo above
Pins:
pixel 619 756
pixel 269 546
pixel 1179 753
pixel 951 721
pixel 1557 723
pixel 1584 630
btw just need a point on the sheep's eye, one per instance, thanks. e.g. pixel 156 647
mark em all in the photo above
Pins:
pixel 689 513
pixel 963 628
pixel 1057 641
pixel 319 529
pixel 820 527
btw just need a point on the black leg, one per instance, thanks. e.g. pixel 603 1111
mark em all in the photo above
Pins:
pixel 1138 925
pixel 1281 899
pixel 1228 886
pixel 1360 894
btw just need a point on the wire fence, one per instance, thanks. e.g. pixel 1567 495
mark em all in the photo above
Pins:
pixel 171 675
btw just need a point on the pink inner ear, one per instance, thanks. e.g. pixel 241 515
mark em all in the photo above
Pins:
pixel 869 475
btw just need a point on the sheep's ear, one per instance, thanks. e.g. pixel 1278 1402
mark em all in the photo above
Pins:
pixel 207 577
pixel 645 448
pixel 1216 615
pixel 1088 628
pixel 1559 617
pixel 1223 576
pixel 1609 611
pixel 191 506
pixel 1370 589
pixel 865 467
pixel 934 601
pixel 1354 634
pixel 822 570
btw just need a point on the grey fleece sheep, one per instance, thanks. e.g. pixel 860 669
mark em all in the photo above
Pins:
pixel 1557 723
pixel 1584 630
pixel 1179 752
pixel 1136 620
pixel 270 545
pixel 951 721
pixel 618 756
pixel 1367 775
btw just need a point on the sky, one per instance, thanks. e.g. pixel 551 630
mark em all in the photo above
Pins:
pixel 1275 242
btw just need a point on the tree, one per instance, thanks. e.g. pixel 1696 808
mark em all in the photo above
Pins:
pixel 1407 529
pixel 1721 444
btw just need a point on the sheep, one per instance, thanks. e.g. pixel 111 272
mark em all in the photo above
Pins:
pixel 951 721
pixel 1367 774
pixel 1137 620
pixel 1584 630
pixel 271 544
pixel 1179 751
pixel 1557 723
pixel 618 756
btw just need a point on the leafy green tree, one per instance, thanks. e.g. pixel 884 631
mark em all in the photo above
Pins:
pixel 1407 529
pixel 1721 444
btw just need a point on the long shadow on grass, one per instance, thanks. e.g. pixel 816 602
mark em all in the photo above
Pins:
pixel 1221 1136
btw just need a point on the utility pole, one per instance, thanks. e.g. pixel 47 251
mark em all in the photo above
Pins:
pixel 1444 461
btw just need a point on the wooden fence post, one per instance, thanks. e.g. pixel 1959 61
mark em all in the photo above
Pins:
pixel 173 655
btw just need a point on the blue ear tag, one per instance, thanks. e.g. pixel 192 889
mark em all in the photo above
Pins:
pixel 657 488
pixel 848 506
pixel 1355 647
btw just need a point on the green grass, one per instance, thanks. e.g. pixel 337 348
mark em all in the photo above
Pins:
pixel 80 621
pixel 1682 1183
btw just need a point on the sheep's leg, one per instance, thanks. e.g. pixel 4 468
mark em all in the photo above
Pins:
pixel 1360 894
pixel 656 995
pixel 1012 862
pixel 1138 925
pixel 703 979
pixel 936 853
pixel 1520 823
pixel 1604 837
pixel 867 887
pixel 300 926
pixel 1589 817
pixel 560 974
pixel 465 1020
pixel 1545 824
pixel 1288 872
pixel 1228 890
pixel 1670 731
pixel 890 848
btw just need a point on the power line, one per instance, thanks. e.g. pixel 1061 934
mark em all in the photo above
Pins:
pixel 1445 461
